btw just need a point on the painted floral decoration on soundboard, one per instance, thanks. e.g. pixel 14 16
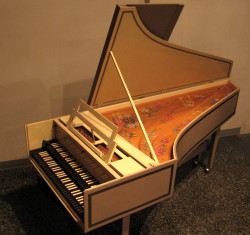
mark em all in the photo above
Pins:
pixel 126 133
pixel 125 120
pixel 224 89
pixel 199 97
pixel 214 101
pixel 145 147
pixel 162 147
pixel 148 111
pixel 179 127
pixel 184 123
pixel 176 130
pixel 151 135
pixel 165 140
pixel 168 117
pixel 160 150
pixel 200 110
pixel 187 101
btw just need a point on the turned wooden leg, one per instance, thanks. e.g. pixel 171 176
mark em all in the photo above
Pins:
pixel 212 150
pixel 125 225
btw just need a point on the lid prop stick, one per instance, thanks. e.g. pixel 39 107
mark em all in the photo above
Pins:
pixel 134 108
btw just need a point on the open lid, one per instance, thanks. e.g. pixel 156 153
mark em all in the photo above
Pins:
pixel 138 39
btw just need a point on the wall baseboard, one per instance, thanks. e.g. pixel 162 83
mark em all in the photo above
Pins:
pixel 228 132
pixel 14 163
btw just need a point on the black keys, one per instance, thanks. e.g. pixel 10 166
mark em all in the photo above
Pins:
pixel 61 180
pixel 66 173
pixel 81 176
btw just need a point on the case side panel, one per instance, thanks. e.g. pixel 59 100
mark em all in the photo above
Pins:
pixel 37 132
pixel 127 195
pixel 205 126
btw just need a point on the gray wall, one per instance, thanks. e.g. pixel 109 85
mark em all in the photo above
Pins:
pixel 49 51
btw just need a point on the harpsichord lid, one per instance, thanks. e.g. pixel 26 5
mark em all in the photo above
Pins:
pixel 138 39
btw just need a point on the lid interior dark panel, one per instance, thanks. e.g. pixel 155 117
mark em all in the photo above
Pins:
pixel 159 19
